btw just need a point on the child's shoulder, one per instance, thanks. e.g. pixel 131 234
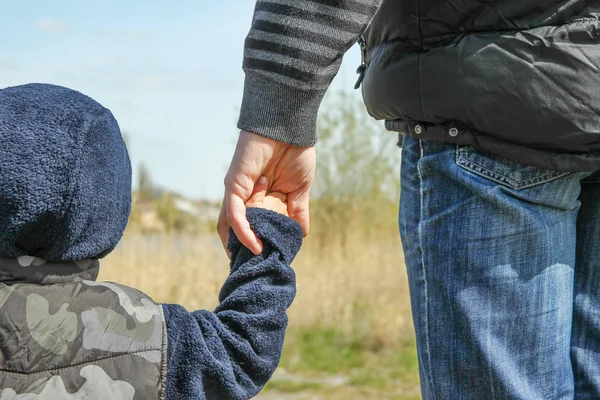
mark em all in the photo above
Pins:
pixel 81 329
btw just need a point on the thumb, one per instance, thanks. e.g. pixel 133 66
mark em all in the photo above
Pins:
pixel 259 193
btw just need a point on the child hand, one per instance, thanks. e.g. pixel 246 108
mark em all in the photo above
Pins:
pixel 274 201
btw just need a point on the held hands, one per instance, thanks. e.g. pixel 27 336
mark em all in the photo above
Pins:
pixel 289 170
pixel 273 201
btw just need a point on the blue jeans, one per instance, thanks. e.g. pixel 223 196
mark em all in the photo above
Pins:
pixel 503 263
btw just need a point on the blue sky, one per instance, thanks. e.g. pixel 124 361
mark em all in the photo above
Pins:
pixel 169 71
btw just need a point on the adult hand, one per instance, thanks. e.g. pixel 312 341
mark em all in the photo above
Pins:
pixel 290 170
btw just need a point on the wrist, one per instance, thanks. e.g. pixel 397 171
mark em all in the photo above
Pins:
pixel 278 111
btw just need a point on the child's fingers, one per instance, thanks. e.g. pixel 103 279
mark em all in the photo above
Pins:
pixel 276 201
pixel 279 195
pixel 259 192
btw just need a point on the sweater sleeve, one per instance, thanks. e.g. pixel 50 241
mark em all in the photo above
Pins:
pixel 293 51
pixel 232 352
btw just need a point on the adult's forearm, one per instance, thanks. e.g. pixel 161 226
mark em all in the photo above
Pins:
pixel 293 51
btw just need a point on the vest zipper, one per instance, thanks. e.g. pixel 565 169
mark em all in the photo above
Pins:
pixel 363 63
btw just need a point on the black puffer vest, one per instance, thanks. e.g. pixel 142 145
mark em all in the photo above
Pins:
pixel 517 78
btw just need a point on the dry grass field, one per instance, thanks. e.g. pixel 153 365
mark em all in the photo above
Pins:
pixel 350 333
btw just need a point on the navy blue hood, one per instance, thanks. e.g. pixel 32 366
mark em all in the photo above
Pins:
pixel 65 175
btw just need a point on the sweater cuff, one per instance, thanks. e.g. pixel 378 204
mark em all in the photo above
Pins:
pixel 280 112
pixel 276 231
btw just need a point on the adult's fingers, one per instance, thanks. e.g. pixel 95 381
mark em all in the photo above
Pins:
pixel 236 218
pixel 223 228
pixel 259 193
pixel 298 208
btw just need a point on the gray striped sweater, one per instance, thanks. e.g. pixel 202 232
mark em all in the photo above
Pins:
pixel 293 51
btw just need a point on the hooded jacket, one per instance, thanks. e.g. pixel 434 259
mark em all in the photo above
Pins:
pixel 65 187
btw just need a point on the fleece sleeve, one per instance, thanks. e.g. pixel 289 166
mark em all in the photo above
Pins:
pixel 292 52
pixel 231 353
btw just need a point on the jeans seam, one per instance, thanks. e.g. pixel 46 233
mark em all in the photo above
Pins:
pixel 472 166
pixel 425 286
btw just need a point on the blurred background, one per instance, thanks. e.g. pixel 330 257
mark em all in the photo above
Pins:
pixel 171 74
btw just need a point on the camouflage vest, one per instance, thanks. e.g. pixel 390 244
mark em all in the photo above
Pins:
pixel 65 336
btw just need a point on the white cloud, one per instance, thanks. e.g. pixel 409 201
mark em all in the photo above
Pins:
pixel 50 24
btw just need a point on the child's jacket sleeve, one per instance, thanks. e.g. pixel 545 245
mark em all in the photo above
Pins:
pixel 232 352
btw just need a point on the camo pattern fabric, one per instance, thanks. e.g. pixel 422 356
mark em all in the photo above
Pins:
pixel 76 338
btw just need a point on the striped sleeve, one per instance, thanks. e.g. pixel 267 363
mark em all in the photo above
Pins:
pixel 293 51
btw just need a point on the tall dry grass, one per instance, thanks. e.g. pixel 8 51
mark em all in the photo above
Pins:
pixel 350 271
pixel 359 288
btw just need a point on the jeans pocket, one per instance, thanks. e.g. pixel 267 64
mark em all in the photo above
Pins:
pixel 509 173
